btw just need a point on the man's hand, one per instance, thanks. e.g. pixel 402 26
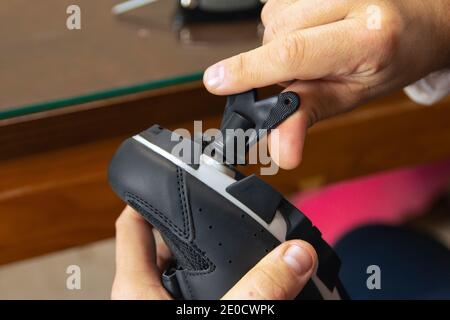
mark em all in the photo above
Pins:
pixel 141 257
pixel 336 54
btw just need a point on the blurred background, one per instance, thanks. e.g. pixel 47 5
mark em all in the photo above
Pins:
pixel 70 95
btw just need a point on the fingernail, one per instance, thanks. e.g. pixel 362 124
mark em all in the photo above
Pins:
pixel 214 75
pixel 299 259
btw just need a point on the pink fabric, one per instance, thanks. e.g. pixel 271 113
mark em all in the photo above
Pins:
pixel 389 197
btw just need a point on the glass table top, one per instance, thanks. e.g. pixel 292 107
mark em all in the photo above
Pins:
pixel 44 65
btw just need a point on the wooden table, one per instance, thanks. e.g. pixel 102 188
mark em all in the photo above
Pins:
pixel 70 97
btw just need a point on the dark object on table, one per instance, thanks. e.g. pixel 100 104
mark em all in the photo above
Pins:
pixel 215 10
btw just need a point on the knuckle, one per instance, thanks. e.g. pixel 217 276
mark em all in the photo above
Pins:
pixel 314 114
pixel 267 11
pixel 391 24
pixel 276 26
pixel 267 37
pixel 385 40
pixel 244 69
pixel 268 288
pixel 239 67
pixel 119 222
pixel 392 31
pixel 318 111
pixel 126 218
pixel 265 14
pixel 291 52
pixel 269 31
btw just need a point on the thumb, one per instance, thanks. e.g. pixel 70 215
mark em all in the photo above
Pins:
pixel 320 100
pixel 281 275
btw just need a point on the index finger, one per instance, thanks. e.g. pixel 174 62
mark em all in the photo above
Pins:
pixel 137 274
pixel 313 53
